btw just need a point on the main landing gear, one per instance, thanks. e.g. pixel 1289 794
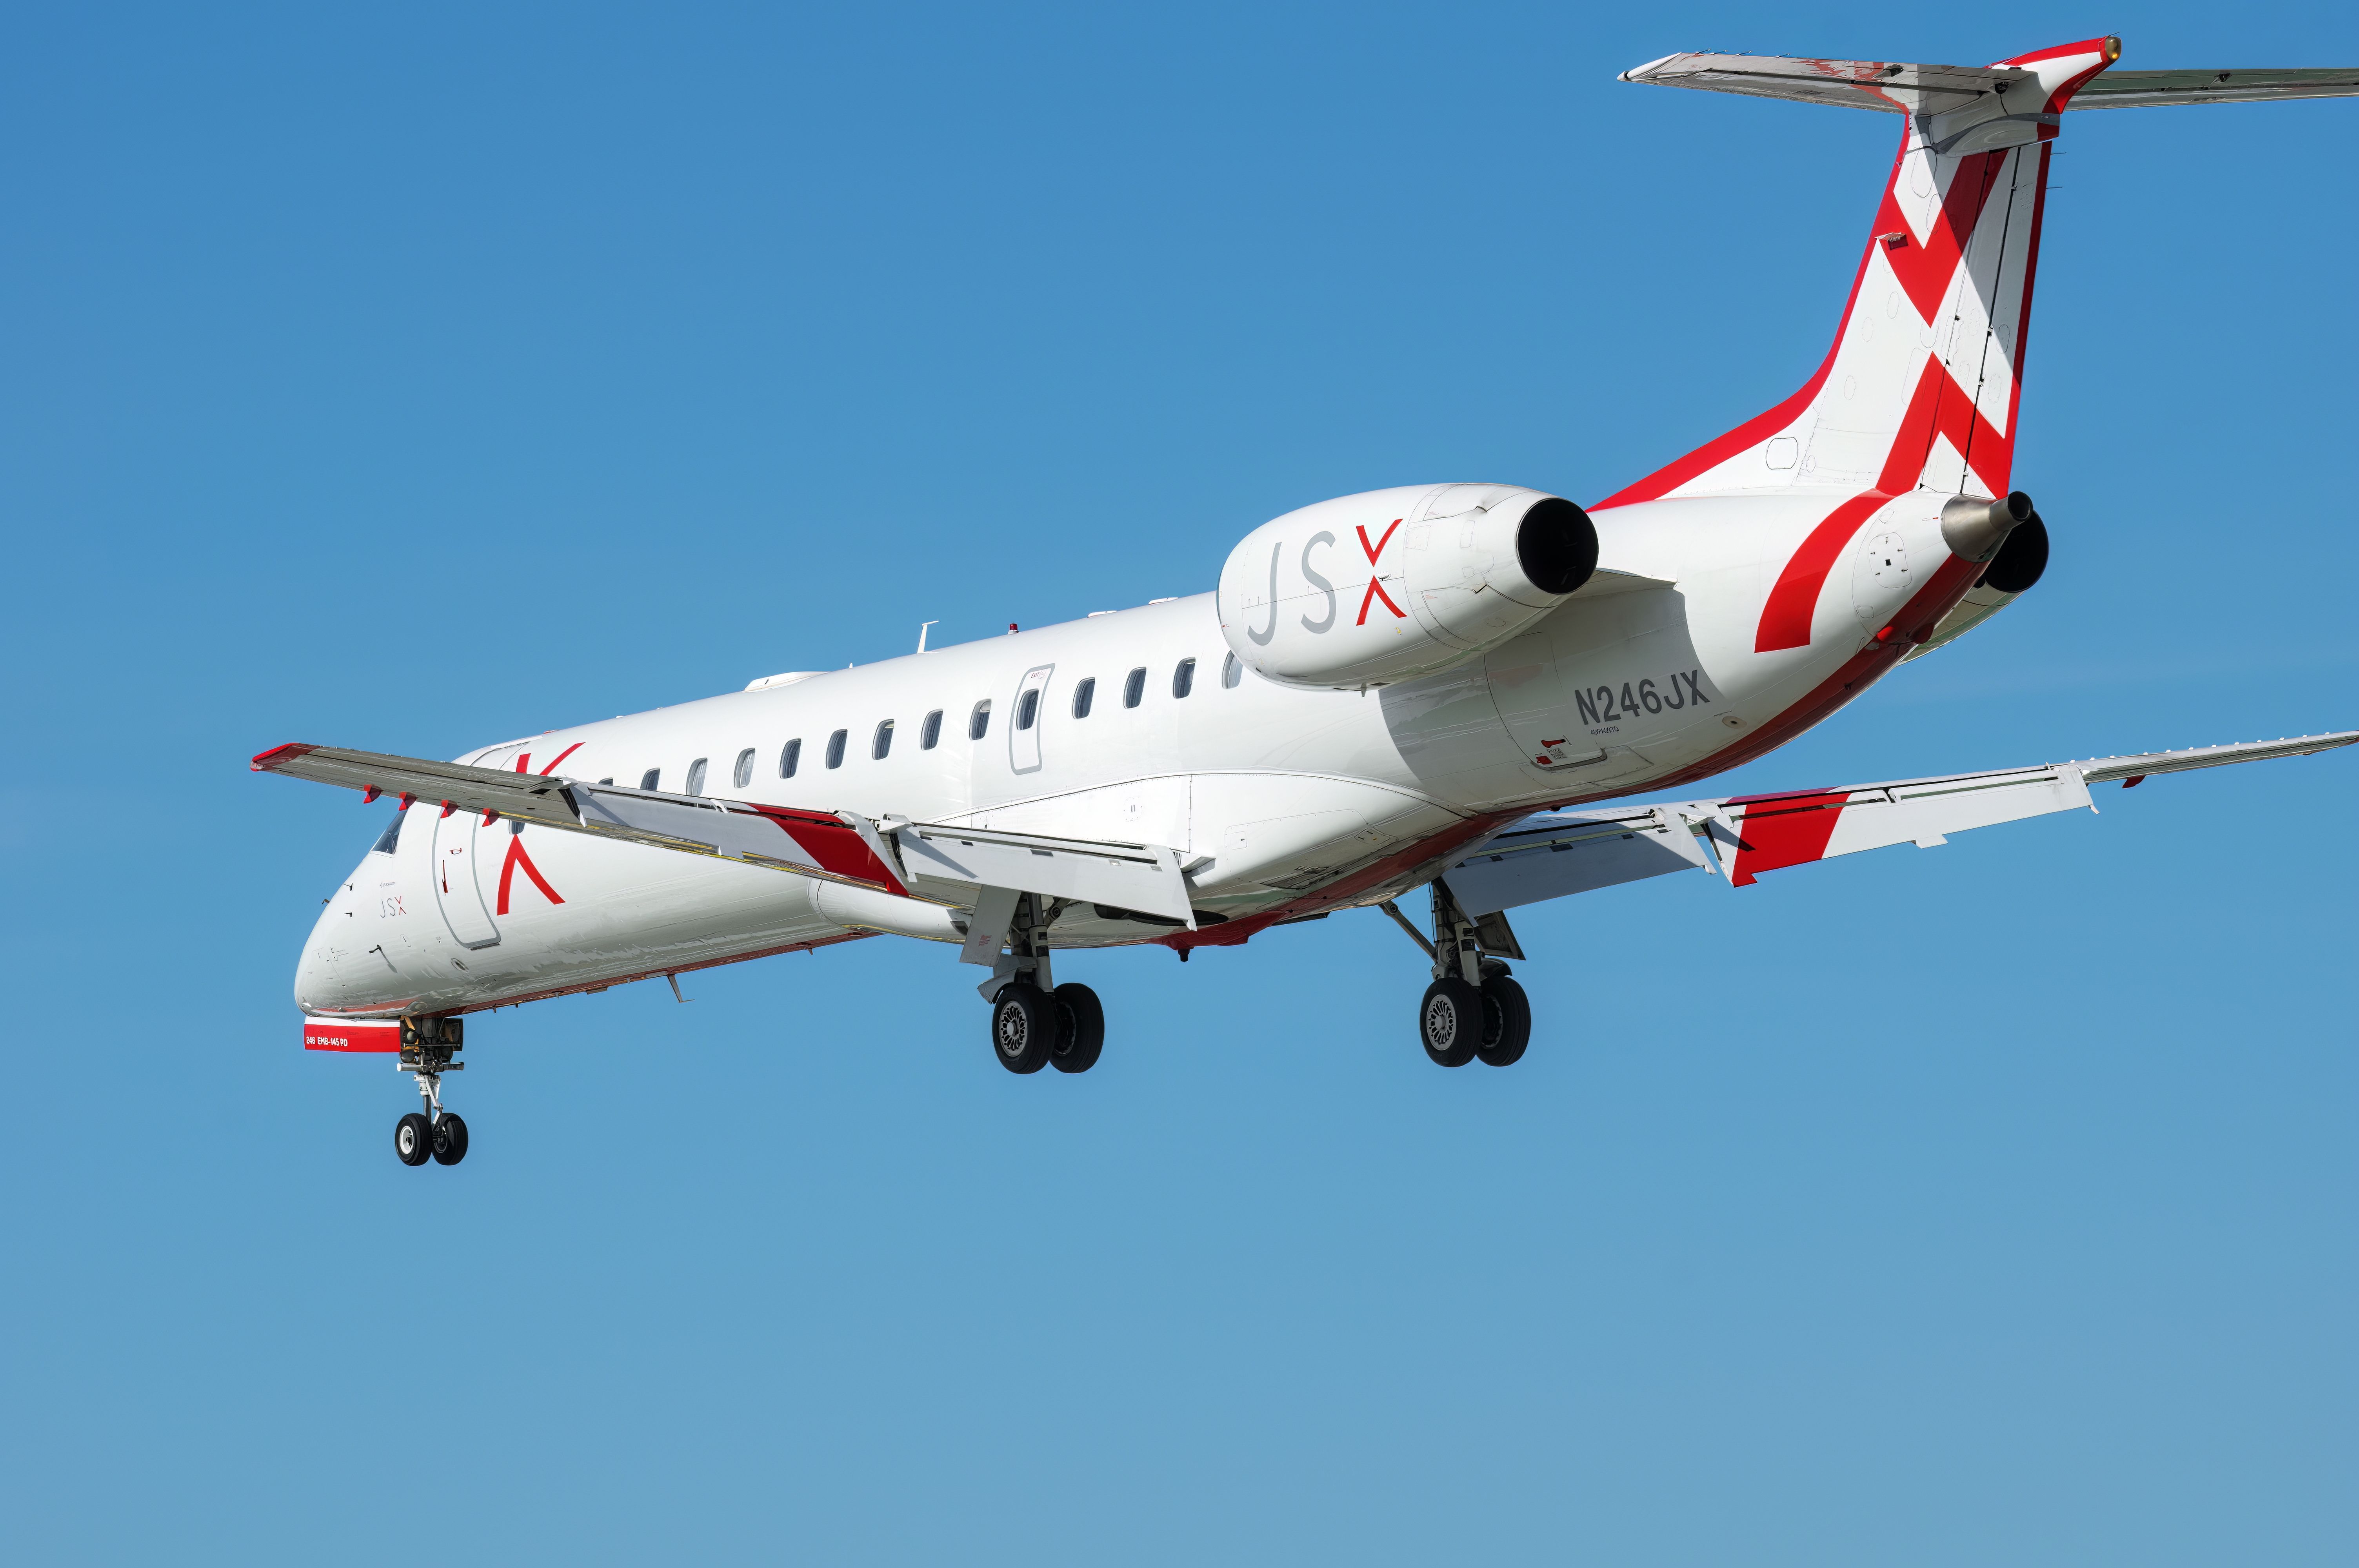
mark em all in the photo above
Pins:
pixel 1474 1011
pixel 427 1047
pixel 1035 1022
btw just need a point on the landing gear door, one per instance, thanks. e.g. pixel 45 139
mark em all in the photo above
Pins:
pixel 456 883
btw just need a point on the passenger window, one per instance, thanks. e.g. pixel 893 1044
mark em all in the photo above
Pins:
pixel 744 774
pixel 391 839
pixel 649 779
pixel 835 748
pixel 929 733
pixel 696 776
pixel 1232 670
pixel 790 757
pixel 1084 694
pixel 1027 708
pixel 883 741
pixel 980 720
pixel 1135 687
pixel 1183 679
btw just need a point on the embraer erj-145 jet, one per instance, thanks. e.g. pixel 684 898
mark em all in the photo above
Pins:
pixel 1432 686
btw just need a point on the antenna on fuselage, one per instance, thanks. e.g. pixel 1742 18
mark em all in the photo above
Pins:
pixel 921 634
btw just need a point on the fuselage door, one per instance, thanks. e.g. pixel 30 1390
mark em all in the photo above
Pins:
pixel 1025 718
pixel 456 888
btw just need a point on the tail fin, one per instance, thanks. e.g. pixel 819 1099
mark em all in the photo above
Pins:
pixel 1922 384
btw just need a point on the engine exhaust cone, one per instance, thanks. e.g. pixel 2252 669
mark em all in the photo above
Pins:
pixel 1975 527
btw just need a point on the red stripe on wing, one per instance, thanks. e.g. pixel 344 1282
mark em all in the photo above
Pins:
pixel 1785 830
pixel 836 847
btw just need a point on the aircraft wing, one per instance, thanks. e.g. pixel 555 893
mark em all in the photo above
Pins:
pixel 1553 853
pixel 940 863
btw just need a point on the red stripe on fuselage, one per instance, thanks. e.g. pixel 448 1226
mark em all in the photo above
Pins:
pixel 1936 408
pixel 351 1034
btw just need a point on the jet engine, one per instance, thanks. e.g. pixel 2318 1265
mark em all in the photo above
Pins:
pixel 2020 558
pixel 1367 589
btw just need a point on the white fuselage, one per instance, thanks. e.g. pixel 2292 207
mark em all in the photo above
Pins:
pixel 1282 801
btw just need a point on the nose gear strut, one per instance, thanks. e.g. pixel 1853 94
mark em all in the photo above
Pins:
pixel 429 1049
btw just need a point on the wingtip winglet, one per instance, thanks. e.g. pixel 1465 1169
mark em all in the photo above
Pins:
pixel 268 761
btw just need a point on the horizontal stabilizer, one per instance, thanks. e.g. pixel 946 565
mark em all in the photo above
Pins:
pixel 2147 89
pixel 1892 87
pixel 1897 87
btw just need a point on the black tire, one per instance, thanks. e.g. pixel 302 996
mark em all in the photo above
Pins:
pixel 1449 1021
pixel 413 1140
pixel 450 1138
pixel 1081 1034
pixel 1024 1028
pixel 1506 1022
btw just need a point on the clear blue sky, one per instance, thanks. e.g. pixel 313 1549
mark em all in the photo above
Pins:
pixel 414 378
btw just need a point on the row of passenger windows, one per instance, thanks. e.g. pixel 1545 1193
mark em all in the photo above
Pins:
pixel 929 728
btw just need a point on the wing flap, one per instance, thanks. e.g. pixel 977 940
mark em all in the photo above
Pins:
pixel 958 862
pixel 1555 853
pixel 1776 831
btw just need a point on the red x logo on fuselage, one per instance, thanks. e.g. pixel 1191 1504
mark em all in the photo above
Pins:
pixel 1376 587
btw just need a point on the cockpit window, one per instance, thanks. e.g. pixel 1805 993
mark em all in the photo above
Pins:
pixel 390 839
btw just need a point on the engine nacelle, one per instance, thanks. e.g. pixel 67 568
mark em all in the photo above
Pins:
pixel 1368 589
pixel 2018 565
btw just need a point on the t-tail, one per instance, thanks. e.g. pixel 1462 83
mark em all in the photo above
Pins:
pixel 1923 385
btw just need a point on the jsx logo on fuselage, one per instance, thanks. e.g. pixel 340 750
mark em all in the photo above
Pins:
pixel 1598 705
pixel 1376 584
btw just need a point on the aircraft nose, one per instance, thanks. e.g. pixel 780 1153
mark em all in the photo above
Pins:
pixel 326 953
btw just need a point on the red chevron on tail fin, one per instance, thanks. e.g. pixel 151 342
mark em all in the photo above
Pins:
pixel 1921 387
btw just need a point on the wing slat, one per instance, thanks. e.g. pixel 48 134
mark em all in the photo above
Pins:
pixel 935 862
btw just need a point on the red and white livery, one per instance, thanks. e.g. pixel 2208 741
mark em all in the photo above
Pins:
pixel 1435 687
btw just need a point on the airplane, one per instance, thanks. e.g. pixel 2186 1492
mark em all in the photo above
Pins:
pixel 1434 688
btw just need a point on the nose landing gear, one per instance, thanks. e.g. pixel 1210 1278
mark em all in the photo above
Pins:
pixel 428 1048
